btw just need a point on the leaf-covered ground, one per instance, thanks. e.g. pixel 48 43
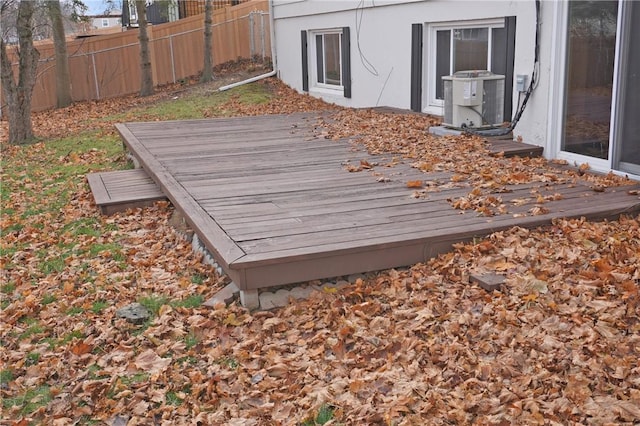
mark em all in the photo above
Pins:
pixel 559 344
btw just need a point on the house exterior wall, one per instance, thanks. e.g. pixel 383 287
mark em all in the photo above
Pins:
pixel 381 48
pixel 112 21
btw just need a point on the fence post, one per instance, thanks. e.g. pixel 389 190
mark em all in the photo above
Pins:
pixel 262 35
pixel 173 63
pixel 95 75
pixel 252 42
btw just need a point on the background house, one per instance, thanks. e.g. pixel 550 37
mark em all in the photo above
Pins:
pixel 394 53
pixel 161 11
pixel 158 12
pixel 108 20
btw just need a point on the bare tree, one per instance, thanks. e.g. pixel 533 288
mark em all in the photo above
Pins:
pixel 8 20
pixel 146 73
pixel 18 95
pixel 207 71
pixel 63 78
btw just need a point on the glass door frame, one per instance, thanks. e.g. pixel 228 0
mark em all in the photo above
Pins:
pixel 558 74
pixel 624 34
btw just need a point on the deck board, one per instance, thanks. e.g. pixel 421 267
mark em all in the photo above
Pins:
pixel 276 204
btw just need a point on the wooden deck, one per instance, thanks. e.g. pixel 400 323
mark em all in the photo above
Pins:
pixel 275 205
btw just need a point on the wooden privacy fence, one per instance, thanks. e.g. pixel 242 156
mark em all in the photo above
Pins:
pixel 108 66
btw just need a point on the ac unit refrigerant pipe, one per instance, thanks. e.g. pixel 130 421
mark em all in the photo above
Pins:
pixel 501 131
pixel 273 57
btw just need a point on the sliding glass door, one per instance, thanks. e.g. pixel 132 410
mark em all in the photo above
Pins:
pixel 588 92
pixel 601 116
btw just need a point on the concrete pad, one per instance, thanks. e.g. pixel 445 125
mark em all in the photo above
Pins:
pixel 444 131
pixel 301 292
pixel 135 313
pixel 489 282
pixel 272 300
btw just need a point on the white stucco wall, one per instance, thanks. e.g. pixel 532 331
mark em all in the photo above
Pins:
pixel 384 40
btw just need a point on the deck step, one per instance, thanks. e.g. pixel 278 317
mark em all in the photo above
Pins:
pixel 123 189
pixel 511 148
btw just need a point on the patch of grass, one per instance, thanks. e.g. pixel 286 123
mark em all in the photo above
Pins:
pixel 8 288
pixel 6 376
pixel 106 147
pixel 84 226
pixel 32 330
pixel 53 265
pixel 251 94
pixel 14 227
pixel 325 414
pixel 92 371
pixel 48 299
pixel 31 212
pixel 197 279
pixel 125 382
pixel 190 302
pixel 153 303
pixel 7 252
pixel 30 401
pixel 229 362
pixel 191 340
pixel 173 399
pixel 76 334
pixel 190 360
pixel 134 379
pixel 98 306
pixel 32 358
pixel 74 310
pixel 88 420
pixel 95 372
pixel 197 106
pixel 28 320
pixel 111 250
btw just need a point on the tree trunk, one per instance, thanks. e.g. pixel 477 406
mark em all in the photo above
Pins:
pixel 63 78
pixel 18 96
pixel 146 74
pixel 207 71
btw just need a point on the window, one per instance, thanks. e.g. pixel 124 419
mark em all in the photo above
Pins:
pixel 105 22
pixel 460 46
pixel 328 67
pixel 133 13
pixel 326 61
pixel 326 64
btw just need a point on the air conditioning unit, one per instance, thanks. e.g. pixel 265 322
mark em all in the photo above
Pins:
pixel 473 99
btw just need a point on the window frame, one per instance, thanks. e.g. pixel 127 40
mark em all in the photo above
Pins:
pixel 434 105
pixel 313 61
pixel 105 22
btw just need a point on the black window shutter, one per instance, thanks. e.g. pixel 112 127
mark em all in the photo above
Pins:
pixel 503 57
pixel 346 62
pixel 416 67
pixel 305 62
